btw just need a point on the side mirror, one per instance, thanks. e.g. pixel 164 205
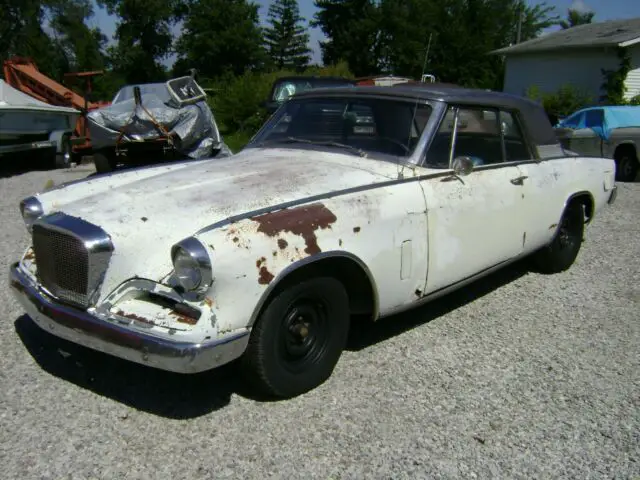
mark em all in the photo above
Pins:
pixel 462 166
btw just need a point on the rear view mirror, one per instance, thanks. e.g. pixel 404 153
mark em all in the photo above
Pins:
pixel 462 166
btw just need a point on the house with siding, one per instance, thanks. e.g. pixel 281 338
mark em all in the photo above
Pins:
pixel 574 56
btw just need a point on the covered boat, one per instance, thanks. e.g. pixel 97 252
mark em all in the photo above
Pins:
pixel 27 123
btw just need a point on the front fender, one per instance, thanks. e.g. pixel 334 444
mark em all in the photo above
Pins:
pixel 377 228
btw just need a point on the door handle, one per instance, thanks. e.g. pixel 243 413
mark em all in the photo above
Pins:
pixel 519 180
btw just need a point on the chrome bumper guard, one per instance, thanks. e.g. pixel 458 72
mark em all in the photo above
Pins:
pixel 85 329
pixel 614 194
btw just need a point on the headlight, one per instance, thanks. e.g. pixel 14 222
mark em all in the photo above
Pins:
pixel 192 265
pixel 31 209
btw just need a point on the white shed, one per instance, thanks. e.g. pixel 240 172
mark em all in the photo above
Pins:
pixel 573 56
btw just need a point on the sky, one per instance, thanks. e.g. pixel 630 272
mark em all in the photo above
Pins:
pixel 604 10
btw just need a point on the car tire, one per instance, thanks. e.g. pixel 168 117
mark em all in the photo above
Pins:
pixel 298 339
pixel 563 250
pixel 63 158
pixel 626 167
pixel 103 162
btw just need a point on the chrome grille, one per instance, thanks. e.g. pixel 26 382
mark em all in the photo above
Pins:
pixel 72 256
pixel 63 264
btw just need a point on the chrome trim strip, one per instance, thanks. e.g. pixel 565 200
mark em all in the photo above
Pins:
pixel 308 261
pixel 321 196
pixel 85 329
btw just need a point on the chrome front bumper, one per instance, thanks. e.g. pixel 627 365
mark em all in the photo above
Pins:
pixel 85 329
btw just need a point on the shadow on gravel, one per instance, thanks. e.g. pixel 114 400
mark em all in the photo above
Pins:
pixel 161 393
pixel 189 396
pixel 11 167
pixel 364 334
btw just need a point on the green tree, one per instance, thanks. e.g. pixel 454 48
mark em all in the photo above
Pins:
pixel 392 36
pixel 535 19
pixel 286 40
pixel 220 37
pixel 353 31
pixel 144 37
pixel 575 18
pixel 22 35
pixel 82 46
pixel 457 53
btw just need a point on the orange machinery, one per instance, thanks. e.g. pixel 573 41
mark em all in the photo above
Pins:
pixel 23 74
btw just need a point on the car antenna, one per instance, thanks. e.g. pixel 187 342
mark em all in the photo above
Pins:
pixel 415 108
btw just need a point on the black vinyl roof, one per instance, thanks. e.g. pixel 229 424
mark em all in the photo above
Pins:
pixel 531 113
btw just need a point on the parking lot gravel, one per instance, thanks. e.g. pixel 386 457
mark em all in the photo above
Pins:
pixel 519 375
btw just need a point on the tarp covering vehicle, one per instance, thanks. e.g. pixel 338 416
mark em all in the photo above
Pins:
pixel 174 115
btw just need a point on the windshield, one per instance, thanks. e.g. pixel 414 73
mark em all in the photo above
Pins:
pixel 158 89
pixel 360 125
pixel 287 88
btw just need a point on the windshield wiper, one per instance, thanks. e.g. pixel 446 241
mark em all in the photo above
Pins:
pixel 329 143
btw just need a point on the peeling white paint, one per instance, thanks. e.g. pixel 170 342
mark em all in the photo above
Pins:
pixel 456 227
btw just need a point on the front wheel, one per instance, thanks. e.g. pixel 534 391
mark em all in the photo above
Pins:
pixel 299 338
pixel 563 250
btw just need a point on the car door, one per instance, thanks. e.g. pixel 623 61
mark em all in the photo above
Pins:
pixel 474 221
pixel 541 196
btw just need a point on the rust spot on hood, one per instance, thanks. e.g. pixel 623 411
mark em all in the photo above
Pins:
pixel 356 229
pixel 282 243
pixel 303 221
pixel 264 276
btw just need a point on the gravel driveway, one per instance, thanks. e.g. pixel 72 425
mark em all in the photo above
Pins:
pixel 518 376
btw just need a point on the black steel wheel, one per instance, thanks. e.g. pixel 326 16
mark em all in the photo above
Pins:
pixel 298 339
pixel 103 162
pixel 563 250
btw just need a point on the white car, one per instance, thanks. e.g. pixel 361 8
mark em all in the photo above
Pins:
pixel 366 200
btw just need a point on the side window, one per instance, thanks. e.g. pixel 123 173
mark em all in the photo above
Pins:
pixel 478 136
pixel 514 143
pixel 594 118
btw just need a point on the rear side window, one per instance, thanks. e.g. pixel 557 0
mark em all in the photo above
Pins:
pixel 514 145
pixel 477 136
pixel 480 134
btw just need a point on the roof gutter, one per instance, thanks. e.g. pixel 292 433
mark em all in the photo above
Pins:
pixel 628 43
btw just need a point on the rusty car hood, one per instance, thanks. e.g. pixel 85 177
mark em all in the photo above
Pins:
pixel 146 211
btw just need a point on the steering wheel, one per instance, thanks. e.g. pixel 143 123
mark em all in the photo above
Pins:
pixel 395 142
